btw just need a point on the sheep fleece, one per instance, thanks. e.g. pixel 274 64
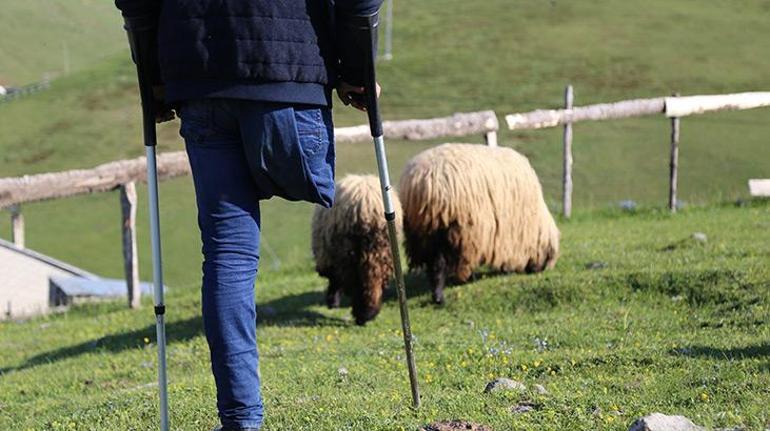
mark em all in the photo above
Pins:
pixel 487 199
pixel 352 236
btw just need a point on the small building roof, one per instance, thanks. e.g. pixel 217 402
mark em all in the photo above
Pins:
pixel 100 287
pixel 47 260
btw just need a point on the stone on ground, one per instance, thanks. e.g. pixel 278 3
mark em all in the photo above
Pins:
pixel 524 407
pixel 504 384
pixel 661 422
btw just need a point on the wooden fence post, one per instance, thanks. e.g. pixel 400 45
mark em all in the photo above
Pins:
pixel 674 162
pixel 567 179
pixel 491 138
pixel 17 226
pixel 128 228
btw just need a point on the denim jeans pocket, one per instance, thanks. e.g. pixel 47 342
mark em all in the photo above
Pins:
pixel 316 139
pixel 310 129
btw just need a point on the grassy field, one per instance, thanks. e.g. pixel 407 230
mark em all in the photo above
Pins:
pixel 663 323
pixel 499 55
pixel 40 37
pixel 680 329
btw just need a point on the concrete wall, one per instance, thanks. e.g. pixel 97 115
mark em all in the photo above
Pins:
pixel 24 284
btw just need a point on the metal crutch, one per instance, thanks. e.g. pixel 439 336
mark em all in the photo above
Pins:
pixel 142 36
pixel 366 32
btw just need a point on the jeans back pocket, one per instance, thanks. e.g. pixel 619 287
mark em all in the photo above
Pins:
pixel 310 129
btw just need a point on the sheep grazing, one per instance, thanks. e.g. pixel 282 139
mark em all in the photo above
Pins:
pixel 351 246
pixel 469 205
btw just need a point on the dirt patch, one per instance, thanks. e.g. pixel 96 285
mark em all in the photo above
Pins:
pixel 455 426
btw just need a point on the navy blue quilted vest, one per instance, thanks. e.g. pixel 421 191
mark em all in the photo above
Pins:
pixel 254 49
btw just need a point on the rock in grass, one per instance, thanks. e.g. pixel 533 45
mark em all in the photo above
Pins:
pixel 504 384
pixel 697 238
pixel 596 265
pixel 524 407
pixel 455 426
pixel 540 389
pixel 661 422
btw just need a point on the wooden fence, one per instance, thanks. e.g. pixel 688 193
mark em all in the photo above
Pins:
pixel 124 174
pixel 673 107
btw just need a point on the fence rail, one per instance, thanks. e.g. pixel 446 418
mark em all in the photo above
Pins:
pixel 673 107
pixel 463 124
pixel 106 177
pixel 670 106
pixel 759 188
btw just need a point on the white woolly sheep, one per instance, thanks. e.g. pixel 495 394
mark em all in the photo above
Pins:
pixel 351 247
pixel 469 205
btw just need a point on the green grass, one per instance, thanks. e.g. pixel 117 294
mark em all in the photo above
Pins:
pixel 669 324
pixel 40 37
pixel 654 330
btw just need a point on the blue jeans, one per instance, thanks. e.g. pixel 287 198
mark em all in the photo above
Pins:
pixel 241 152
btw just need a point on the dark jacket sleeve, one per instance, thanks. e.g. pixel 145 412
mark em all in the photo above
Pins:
pixel 139 8
pixel 351 54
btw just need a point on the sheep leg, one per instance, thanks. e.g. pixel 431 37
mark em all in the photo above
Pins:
pixel 333 294
pixel 437 274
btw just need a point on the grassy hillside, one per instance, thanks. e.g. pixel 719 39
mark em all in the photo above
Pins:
pixel 661 323
pixel 49 36
pixel 451 56
pixel 681 329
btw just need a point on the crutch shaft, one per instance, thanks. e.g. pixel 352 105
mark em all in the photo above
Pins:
pixel 405 326
pixel 157 277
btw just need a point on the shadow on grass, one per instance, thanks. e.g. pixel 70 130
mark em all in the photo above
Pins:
pixel 177 331
pixel 290 310
pixel 293 310
pixel 736 353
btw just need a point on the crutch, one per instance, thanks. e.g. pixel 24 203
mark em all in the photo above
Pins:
pixel 142 36
pixel 366 34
